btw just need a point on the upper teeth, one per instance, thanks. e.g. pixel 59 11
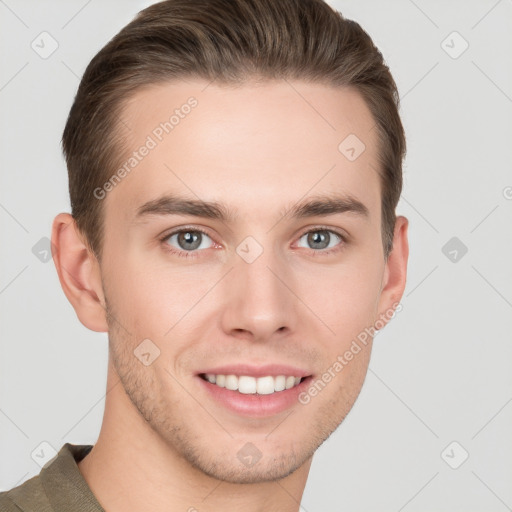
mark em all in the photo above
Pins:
pixel 249 385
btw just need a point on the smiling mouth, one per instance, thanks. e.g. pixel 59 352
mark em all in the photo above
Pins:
pixel 249 385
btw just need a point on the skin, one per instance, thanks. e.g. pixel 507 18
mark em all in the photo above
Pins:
pixel 258 149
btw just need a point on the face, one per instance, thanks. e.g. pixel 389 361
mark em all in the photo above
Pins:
pixel 255 283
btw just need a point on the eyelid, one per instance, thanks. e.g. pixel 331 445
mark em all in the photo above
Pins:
pixel 173 231
pixel 318 227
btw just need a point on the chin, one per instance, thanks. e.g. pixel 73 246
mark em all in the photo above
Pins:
pixel 269 470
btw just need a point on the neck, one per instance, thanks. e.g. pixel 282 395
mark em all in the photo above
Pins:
pixel 131 468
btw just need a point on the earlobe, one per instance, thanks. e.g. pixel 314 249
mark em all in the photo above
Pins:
pixel 395 272
pixel 79 273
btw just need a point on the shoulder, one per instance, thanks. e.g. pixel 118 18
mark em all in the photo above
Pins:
pixel 26 497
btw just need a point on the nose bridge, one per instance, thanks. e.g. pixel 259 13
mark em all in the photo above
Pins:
pixel 259 301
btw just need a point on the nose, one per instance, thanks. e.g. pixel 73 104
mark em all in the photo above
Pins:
pixel 259 300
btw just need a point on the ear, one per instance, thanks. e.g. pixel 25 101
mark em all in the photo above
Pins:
pixel 79 273
pixel 395 272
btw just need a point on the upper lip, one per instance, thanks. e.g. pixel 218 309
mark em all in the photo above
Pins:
pixel 257 371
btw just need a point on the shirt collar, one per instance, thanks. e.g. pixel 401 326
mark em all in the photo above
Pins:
pixel 63 483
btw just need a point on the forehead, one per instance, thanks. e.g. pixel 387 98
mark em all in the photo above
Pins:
pixel 268 143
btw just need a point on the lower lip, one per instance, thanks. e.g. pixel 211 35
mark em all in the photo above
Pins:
pixel 254 405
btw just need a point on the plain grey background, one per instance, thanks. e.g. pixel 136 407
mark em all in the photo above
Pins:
pixel 431 428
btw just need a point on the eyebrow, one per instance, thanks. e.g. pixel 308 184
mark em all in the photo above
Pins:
pixel 313 206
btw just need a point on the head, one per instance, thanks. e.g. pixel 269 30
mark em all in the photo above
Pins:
pixel 234 170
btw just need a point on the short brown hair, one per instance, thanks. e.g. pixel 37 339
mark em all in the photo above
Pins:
pixel 227 41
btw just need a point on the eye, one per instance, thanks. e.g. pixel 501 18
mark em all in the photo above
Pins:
pixel 188 240
pixel 321 239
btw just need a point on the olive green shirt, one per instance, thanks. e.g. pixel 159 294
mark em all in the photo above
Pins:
pixel 59 487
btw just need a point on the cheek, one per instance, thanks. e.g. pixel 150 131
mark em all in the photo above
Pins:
pixel 153 296
pixel 344 297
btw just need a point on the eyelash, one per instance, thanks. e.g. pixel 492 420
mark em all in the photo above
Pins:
pixel 194 254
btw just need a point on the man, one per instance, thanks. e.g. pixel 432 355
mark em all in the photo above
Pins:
pixel 234 169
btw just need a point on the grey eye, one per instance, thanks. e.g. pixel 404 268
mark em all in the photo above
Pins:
pixel 189 240
pixel 320 239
